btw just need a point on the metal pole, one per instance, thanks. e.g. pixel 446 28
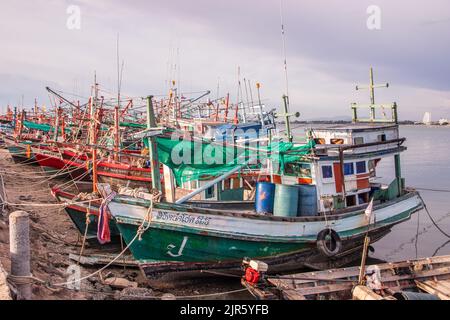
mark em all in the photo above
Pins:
pixel 210 184
pixel 372 96
pixel 288 124
pixel 116 133
pixel 19 248
pixel 153 149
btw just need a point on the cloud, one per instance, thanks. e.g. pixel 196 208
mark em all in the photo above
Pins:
pixel 329 49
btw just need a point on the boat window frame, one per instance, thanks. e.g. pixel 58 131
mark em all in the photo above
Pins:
pixel 365 167
pixel 352 171
pixel 332 171
pixel 356 142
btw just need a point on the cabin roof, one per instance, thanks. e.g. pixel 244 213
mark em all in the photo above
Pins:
pixel 356 127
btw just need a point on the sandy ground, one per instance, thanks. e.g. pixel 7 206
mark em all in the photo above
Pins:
pixel 53 238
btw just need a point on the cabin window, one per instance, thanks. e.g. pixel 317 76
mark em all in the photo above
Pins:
pixel 358 140
pixel 381 137
pixel 363 198
pixel 296 169
pixel 349 169
pixel 361 167
pixel 209 193
pixel 351 201
pixel 319 141
pixel 227 184
pixel 327 172
pixel 372 167
pixel 337 141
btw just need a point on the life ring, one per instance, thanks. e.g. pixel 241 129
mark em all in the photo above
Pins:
pixel 329 243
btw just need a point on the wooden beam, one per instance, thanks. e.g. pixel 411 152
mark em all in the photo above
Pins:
pixel 438 288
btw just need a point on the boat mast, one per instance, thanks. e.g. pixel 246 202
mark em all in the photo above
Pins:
pixel 152 146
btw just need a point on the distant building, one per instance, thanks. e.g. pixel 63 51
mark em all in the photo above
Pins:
pixel 443 122
pixel 427 118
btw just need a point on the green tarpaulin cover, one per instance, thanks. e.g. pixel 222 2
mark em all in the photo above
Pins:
pixel 42 127
pixel 199 160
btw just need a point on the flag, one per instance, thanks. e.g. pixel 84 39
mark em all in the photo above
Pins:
pixel 369 210
pixel 103 231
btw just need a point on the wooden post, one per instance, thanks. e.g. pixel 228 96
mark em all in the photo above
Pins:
pixel 372 96
pixel 169 184
pixel 236 115
pixel 227 104
pixel 398 174
pixel 362 271
pixel 116 134
pixel 288 123
pixel 94 152
pixel 55 134
pixel 63 129
pixel 19 237
pixel 216 118
pixel 153 149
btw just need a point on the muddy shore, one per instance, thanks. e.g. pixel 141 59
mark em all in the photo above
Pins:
pixel 54 238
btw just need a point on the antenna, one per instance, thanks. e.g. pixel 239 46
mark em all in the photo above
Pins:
pixel 283 38
pixel 372 86
pixel 118 72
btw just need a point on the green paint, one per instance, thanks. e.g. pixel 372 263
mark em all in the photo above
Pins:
pixel 79 220
pixel 156 244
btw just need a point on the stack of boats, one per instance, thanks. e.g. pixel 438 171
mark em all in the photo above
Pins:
pixel 189 188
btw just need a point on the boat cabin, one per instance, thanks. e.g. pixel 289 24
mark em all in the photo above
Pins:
pixel 342 169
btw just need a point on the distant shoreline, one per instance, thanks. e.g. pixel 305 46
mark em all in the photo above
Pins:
pixel 404 122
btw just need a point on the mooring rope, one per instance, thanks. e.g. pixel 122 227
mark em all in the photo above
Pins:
pixel 431 218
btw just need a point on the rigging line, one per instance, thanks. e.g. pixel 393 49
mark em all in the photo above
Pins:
pixel 433 190
pixel 441 247
pixel 431 218
pixel 283 38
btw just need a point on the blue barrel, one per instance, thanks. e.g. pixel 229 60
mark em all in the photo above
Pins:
pixel 265 194
pixel 307 200
pixel 286 201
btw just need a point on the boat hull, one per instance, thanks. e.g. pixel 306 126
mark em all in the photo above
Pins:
pixel 52 162
pixel 20 153
pixel 195 240
pixel 78 212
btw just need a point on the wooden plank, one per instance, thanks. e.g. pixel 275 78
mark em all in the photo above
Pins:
pixel 315 288
pixel 330 288
pixel 104 259
pixel 292 295
pixel 433 287
pixel 287 283
pixel 445 283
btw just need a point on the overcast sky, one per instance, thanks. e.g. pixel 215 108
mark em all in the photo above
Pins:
pixel 329 50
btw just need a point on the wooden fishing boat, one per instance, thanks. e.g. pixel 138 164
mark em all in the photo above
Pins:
pixel 80 213
pixel 51 159
pixel 419 279
pixel 319 222
pixel 20 150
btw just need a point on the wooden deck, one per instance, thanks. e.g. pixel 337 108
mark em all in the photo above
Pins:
pixel 429 275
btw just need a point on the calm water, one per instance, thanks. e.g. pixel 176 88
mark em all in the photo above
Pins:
pixel 426 164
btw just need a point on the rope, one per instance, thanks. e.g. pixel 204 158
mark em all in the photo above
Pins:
pixel 431 218
pixel 433 190
pixel 64 204
pixel 22 280
pixel 141 230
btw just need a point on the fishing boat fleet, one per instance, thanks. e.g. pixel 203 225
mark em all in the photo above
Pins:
pixel 191 184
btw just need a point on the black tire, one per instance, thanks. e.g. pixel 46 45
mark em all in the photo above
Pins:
pixel 329 243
